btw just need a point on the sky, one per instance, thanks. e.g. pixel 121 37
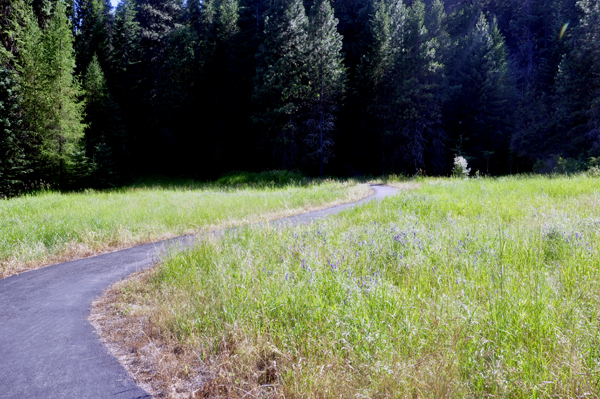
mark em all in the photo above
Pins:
pixel 114 2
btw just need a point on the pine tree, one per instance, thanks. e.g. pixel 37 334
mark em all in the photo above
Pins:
pixel 93 20
pixel 157 18
pixel 10 20
pixel 43 10
pixel 31 67
pixel 421 88
pixel 50 90
pixel 327 79
pixel 482 106
pixel 281 86
pixel 105 137
pixel 14 164
pixel 378 70
pixel 219 48
pixel 578 89
pixel 193 11
pixel 126 48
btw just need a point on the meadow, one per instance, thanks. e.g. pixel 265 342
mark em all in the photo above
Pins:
pixel 50 226
pixel 463 288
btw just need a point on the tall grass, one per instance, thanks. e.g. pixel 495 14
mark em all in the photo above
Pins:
pixel 475 288
pixel 48 226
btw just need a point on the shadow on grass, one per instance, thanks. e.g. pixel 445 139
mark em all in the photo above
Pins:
pixel 241 179
pixel 231 181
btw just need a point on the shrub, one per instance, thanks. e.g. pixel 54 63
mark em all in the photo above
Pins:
pixel 460 168
pixel 271 178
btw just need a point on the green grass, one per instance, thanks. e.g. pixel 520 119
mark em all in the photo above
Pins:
pixel 48 226
pixel 478 288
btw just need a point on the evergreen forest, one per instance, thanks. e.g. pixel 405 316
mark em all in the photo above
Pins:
pixel 92 96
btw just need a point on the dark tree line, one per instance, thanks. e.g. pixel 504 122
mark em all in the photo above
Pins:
pixel 91 95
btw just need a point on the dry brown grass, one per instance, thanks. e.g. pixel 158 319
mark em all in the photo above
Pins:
pixel 129 323
pixel 157 363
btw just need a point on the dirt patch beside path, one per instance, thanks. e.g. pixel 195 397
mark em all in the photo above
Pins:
pixel 158 364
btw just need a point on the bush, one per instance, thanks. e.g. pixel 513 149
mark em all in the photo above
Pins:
pixel 558 164
pixel 460 168
pixel 270 178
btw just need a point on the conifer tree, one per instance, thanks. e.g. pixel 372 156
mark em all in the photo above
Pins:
pixel 10 20
pixel 193 12
pixel 377 71
pixel 327 78
pixel 43 10
pixel 93 20
pixel 219 48
pixel 51 92
pixel 14 160
pixel 158 21
pixel 421 88
pixel 482 106
pixel 96 93
pixel 126 48
pixel 578 86
pixel 281 86
pixel 65 128
pixel 105 137
pixel 31 67
pixel 406 70
pixel 14 163
pixel 157 18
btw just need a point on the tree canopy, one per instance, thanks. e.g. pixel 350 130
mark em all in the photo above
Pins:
pixel 91 95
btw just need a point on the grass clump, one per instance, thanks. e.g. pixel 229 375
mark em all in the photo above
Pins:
pixel 474 288
pixel 50 226
pixel 261 179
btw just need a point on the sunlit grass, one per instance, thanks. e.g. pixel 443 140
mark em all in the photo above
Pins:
pixel 48 226
pixel 478 288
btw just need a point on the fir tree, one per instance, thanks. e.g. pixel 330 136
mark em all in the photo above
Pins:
pixel 378 71
pixel 93 20
pixel 158 18
pixel 585 67
pixel 193 12
pixel 126 48
pixel 11 18
pixel 50 90
pixel 421 88
pixel 31 67
pixel 482 106
pixel 105 136
pixel 281 86
pixel 14 164
pixel 64 128
pixel 43 10
pixel 219 49
pixel 327 78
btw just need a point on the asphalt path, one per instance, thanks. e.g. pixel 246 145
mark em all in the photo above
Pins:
pixel 48 348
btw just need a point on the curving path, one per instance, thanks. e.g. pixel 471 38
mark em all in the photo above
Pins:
pixel 48 349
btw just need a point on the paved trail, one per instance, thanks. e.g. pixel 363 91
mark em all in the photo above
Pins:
pixel 48 349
